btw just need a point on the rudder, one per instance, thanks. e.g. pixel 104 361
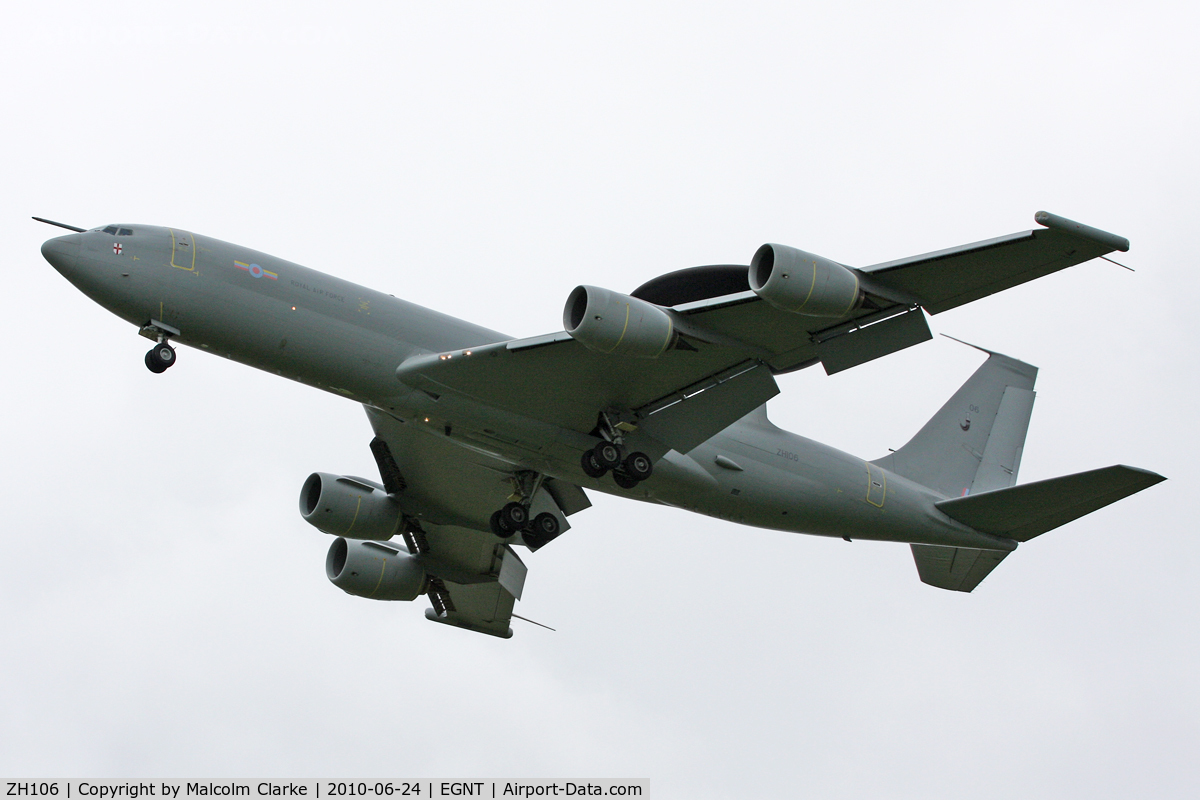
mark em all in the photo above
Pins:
pixel 975 441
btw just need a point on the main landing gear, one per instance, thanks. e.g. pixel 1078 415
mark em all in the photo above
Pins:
pixel 160 357
pixel 515 518
pixel 628 471
pixel 536 532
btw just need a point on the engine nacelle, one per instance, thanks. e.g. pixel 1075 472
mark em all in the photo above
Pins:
pixel 799 282
pixel 377 572
pixel 348 507
pixel 610 322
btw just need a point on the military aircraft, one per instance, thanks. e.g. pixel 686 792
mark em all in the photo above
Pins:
pixel 485 442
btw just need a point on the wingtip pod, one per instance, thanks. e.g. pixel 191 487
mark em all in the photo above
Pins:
pixel 1056 222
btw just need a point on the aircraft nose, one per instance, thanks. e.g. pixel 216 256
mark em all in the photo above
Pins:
pixel 62 252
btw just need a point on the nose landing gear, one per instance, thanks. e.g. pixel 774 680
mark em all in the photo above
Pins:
pixel 160 357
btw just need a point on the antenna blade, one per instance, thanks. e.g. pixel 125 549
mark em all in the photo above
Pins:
pixel 540 625
pixel 61 225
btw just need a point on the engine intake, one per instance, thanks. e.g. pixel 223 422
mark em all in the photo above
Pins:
pixel 610 322
pixel 374 571
pixel 348 507
pixel 802 283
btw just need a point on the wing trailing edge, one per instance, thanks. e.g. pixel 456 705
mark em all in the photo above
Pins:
pixel 950 278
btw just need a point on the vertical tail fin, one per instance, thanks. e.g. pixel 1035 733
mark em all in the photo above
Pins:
pixel 970 452
pixel 974 442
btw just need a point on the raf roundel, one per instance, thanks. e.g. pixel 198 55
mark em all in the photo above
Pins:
pixel 256 271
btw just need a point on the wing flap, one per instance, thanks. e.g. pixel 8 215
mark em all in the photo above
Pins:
pixel 865 344
pixel 479 607
pixel 694 418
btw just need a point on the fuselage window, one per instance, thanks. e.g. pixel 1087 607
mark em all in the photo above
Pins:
pixel 111 229
pixel 125 232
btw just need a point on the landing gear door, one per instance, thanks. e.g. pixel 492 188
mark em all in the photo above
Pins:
pixel 183 250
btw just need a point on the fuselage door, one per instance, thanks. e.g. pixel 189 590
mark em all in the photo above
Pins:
pixel 876 485
pixel 183 250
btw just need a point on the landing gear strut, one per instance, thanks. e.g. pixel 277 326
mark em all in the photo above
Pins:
pixel 628 470
pixel 514 518
pixel 534 533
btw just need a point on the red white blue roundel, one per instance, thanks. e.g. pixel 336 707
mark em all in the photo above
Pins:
pixel 256 271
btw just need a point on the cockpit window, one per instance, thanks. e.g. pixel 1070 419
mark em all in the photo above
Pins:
pixel 111 229
pixel 125 232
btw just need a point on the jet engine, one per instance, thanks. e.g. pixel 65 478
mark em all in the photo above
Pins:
pixel 377 572
pixel 802 283
pixel 610 322
pixel 348 507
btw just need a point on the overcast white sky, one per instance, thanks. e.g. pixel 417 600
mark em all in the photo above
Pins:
pixel 164 611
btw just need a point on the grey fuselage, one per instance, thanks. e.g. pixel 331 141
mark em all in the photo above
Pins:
pixel 346 339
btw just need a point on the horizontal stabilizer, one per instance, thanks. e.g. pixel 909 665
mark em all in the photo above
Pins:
pixel 1023 512
pixel 958 569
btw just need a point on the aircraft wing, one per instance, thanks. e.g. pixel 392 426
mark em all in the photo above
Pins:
pixel 730 346
pixel 949 278
pixel 448 493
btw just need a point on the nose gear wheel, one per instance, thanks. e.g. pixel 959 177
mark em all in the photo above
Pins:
pixel 160 358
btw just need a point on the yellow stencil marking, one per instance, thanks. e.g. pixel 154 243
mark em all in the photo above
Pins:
pixel 670 330
pixel 623 330
pixel 189 266
pixel 356 510
pixel 811 289
pixel 882 493
pixel 853 297
pixel 382 569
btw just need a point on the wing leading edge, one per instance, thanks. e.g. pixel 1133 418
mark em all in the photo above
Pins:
pixel 555 380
